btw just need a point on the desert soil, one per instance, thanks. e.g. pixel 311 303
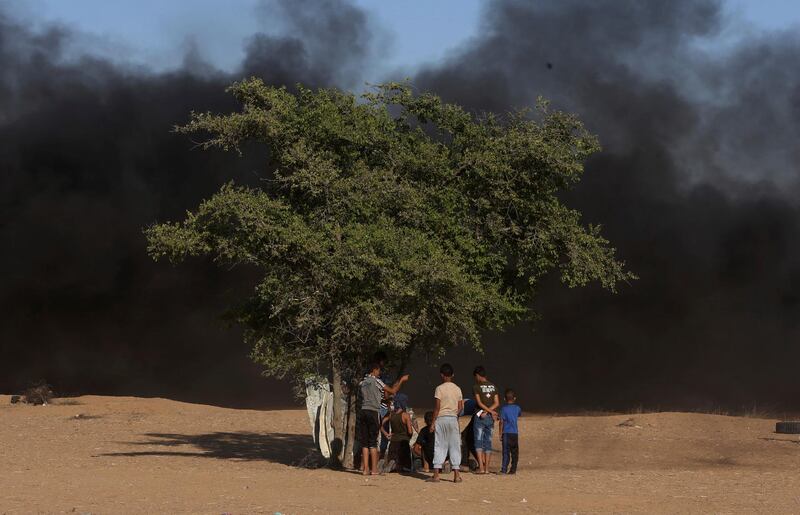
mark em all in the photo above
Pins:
pixel 132 455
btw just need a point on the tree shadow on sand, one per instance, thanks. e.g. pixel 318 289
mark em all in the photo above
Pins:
pixel 283 448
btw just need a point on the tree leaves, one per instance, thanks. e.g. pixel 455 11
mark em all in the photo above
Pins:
pixel 397 222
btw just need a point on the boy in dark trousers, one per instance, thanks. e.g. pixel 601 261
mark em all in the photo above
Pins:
pixel 399 455
pixel 369 422
pixel 509 414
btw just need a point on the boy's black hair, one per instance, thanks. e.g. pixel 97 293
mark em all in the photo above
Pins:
pixel 510 394
pixel 479 371
pixel 446 370
pixel 374 366
pixel 428 418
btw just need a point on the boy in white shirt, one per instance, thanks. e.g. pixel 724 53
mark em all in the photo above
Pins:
pixel 449 403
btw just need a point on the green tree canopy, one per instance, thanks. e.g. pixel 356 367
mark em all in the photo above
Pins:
pixel 392 221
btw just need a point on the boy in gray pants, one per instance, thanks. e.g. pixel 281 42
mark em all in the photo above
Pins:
pixel 449 403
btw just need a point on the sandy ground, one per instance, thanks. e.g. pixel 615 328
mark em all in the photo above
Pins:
pixel 131 455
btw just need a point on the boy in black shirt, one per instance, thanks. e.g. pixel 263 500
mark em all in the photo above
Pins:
pixel 488 401
pixel 425 441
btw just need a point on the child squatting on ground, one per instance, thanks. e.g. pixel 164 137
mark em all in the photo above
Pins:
pixel 449 403
pixel 509 414
pixel 426 440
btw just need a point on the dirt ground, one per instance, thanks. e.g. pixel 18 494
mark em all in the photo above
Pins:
pixel 131 455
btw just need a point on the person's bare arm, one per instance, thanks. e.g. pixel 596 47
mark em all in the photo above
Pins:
pixel 383 426
pixel 460 405
pixel 494 406
pixel 409 427
pixel 396 386
pixel 480 403
pixel 435 415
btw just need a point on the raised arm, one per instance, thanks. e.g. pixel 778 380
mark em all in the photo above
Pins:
pixel 396 386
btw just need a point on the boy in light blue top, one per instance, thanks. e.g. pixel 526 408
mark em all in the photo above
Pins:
pixel 509 414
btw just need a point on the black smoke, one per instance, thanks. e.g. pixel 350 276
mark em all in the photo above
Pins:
pixel 696 187
pixel 87 160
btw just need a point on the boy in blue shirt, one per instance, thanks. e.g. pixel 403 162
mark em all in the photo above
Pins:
pixel 510 433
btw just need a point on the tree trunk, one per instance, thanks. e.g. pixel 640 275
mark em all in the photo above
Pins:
pixel 344 419
pixel 339 420
pixel 351 425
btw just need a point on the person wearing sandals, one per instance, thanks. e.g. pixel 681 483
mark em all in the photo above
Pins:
pixel 449 403
pixel 381 358
pixel 488 401
pixel 399 453
pixel 509 414
pixel 373 392
pixel 369 420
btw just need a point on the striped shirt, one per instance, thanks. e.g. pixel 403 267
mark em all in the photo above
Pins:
pixel 372 393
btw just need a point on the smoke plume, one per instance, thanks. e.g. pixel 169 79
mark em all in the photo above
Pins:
pixel 88 159
pixel 696 186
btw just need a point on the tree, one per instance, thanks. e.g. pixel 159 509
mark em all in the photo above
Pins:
pixel 393 221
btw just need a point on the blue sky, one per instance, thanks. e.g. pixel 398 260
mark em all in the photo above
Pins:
pixel 158 32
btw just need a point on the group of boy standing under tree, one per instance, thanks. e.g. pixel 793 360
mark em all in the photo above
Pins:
pixel 385 411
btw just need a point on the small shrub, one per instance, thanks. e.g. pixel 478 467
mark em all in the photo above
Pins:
pixel 38 393
pixel 312 460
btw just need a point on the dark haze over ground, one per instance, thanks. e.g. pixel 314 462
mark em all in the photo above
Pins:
pixel 696 187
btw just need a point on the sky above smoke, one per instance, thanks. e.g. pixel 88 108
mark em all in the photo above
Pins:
pixel 696 186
